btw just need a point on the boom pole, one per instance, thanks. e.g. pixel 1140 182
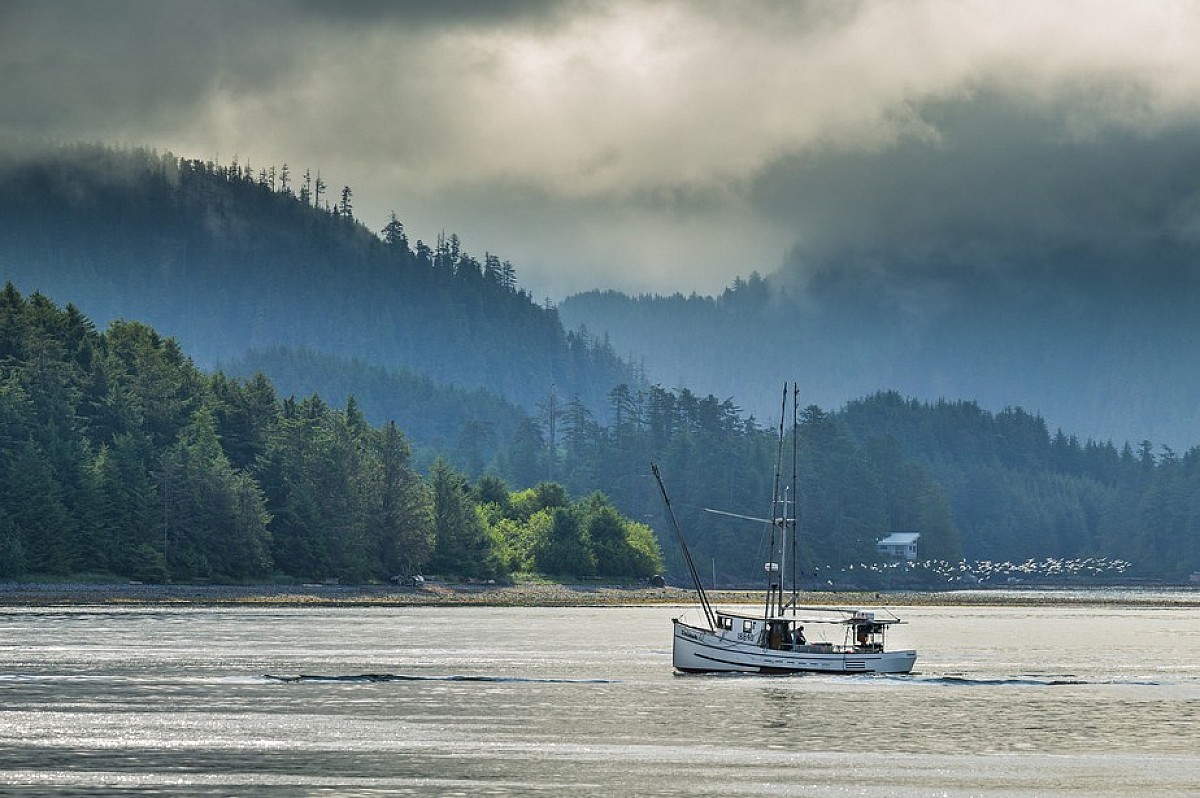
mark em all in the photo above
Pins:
pixel 687 555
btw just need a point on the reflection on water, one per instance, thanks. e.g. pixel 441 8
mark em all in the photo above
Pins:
pixel 1024 700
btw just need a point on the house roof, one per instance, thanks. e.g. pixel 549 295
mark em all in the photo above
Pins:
pixel 900 539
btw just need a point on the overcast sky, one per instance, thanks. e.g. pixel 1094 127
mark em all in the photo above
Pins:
pixel 658 145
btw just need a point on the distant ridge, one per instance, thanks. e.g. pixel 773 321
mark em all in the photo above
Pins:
pixel 1108 360
pixel 433 416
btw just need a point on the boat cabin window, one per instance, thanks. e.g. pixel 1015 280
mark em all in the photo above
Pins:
pixel 747 626
pixel 866 635
pixel 725 622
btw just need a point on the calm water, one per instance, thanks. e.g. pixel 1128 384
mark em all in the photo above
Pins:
pixel 1049 700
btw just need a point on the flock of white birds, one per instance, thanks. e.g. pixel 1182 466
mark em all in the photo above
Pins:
pixel 980 571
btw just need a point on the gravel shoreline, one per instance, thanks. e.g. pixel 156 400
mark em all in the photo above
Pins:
pixel 429 594
pixel 534 594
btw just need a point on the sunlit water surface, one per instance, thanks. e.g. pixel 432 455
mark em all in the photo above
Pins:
pixel 1006 701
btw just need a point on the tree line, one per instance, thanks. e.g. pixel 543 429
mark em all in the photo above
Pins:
pixel 984 489
pixel 119 457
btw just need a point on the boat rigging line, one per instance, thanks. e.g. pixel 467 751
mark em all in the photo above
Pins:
pixel 687 555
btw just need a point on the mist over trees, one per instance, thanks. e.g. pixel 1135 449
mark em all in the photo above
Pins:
pixel 467 426
pixel 229 258
pixel 1097 351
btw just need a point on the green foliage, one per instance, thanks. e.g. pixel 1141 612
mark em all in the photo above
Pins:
pixel 345 500
pixel 463 546
pixel 541 529
pixel 620 547
pixel 125 515
pixel 490 489
pixel 121 457
pixel 215 518
pixel 12 555
pixel 563 548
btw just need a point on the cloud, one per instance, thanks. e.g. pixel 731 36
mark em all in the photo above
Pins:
pixel 1006 194
pixel 437 13
pixel 649 145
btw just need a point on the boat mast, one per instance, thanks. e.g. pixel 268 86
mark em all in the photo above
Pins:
pixel 687 555
pixel 774 564
pixel 793 523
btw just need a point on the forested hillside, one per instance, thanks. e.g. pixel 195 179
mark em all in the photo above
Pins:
pixel 1018 491
pixel 228 259
pixel 119 458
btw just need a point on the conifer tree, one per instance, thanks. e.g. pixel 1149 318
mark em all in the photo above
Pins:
pixel 393 233
pixel 463 546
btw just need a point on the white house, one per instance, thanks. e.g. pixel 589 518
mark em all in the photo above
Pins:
pixel 901 545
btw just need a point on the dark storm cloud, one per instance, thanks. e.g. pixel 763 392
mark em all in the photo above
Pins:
pixel 97 70
pixel 1004 191
pixel 438 13
pixel 655 145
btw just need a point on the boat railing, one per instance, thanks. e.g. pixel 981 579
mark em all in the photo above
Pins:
pixel 812 648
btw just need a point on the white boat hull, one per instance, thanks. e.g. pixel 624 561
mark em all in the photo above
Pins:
pixel 697 649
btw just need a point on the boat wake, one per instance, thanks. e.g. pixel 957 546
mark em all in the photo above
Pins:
pixel 949 679
pixel 1025 680
pixel 400 677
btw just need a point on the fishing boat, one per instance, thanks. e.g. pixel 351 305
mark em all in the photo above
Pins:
pixel 746 644
pixel 784 637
